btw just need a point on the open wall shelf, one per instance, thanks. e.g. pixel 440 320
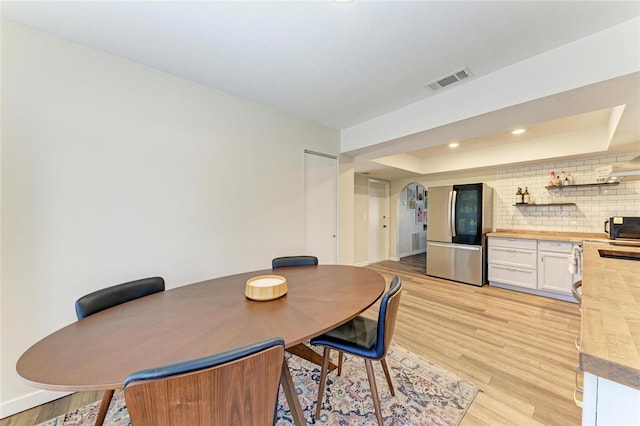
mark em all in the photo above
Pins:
pixel 543 205
pixel 582 185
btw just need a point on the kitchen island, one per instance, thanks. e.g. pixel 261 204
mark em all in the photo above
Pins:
pixel 610 333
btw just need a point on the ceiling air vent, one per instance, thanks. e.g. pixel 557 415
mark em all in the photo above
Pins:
pixel 443 82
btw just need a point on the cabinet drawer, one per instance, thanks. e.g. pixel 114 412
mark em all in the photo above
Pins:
pixel 558 246
pixel 520 257
pixel 515 276
pixel 513 243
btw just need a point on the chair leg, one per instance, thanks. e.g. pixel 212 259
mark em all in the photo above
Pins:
pixel 323 375
pixel 104 407
pixel 340 357
pixel 383 361
pixel 374 390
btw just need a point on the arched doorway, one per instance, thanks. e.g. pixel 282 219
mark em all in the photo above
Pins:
pixel 412 220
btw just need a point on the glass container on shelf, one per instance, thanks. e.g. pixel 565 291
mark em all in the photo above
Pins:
pixel 519 196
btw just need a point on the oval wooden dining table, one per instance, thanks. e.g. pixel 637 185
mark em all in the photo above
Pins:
pixel 196 320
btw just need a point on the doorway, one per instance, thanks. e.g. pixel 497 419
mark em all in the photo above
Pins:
pixel 412 223
pixel 321 206
pixel 378 221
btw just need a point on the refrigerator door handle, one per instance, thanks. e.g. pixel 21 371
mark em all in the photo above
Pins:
pixel 452 211
pixel 456 247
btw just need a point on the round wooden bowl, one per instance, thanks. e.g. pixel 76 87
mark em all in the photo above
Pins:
pixel 265 287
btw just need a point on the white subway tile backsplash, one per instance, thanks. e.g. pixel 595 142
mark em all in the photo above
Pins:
pixel 593 204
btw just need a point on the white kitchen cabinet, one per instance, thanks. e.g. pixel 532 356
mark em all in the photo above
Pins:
pixel 609 403
pixel 533 266
pixel 512 261
pixel 553 270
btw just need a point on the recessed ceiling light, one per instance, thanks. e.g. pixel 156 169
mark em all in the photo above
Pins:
pixel 454 145
pixel 518 131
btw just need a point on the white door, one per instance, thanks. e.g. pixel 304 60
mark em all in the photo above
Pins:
pixel 321 206
pixel 378 221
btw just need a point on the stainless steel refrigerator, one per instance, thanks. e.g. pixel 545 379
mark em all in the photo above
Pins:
pixel 458 218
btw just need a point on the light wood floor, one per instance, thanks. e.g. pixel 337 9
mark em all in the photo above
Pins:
pixel 517 347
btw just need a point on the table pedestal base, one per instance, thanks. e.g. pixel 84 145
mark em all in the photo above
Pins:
pixel 303 351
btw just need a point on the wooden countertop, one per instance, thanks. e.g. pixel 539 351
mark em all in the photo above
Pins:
pixel 610 324
pixel 576 237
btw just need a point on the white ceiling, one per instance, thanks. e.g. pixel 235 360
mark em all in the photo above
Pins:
pixel 337 64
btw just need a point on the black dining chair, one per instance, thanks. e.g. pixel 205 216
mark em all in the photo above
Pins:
pixel 115 295
pixel 301 349
pixel 365 338
pixel 109 297
pixel 281 262
pixel 237 387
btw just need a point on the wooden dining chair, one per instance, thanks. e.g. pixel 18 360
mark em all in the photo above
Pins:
pixel 109 297
pixel 365 338
pixel 237 387
pixel 280 262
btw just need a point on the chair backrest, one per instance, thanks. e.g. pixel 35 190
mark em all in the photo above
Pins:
pixel 387 316
pixel 111 296
pixel 280 262
pixel 237 387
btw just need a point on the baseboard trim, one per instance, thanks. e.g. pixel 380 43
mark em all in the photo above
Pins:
pixel 542 293
pixel 14 406
pixel 411 253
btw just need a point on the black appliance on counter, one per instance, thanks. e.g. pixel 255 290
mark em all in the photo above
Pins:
pixel 623 227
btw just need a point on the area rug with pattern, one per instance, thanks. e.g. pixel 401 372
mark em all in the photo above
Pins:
pixel 426 394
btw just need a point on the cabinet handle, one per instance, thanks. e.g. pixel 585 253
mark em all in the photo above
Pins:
pixel 578 387
pixel 510 250
pixel 512 269
pixel 579 390
pixel 576 294
pixel 577 401
pixel 508 268
pixel 577 343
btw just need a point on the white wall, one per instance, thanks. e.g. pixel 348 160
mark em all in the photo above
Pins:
pixel 112 171
pixel 361 220
pixel 346 215
pixel 593 206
